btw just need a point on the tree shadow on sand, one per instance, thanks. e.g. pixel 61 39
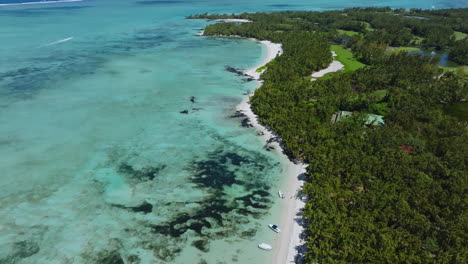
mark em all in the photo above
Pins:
pixel 299 218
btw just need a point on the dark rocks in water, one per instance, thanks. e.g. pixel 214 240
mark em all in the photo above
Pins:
pixel 246 123
pixel 143 208
pixel 219 216
pixel 133 259
pixel 213 174
pixel 260 133
pixel 295 160
pixel 212 215
pixel 248 233
pixel 234 70
pixel 166 254
pixel 26 249
pixel 184 112
pixel 114 258
pixel 273 139
pixel 192 99
pixel 20 250
pixel 269 147
pixel 234 158
pixel 239 72
pixel 256 200
pixel 262 193
pixel 144 174
pixel 238 114
pixel 214 209
pixel 202 245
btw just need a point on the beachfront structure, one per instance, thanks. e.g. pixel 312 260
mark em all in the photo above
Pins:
pixel 339 115
pixel 375 120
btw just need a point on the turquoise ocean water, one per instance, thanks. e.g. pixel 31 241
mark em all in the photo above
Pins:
pixel 97 165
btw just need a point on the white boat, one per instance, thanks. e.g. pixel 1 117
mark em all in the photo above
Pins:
pixel 265 246
pixel 280 194
pixel 274 228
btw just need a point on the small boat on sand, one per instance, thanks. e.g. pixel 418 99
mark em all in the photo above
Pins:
pixel 274 228
pixel 280 194
pixel 265 246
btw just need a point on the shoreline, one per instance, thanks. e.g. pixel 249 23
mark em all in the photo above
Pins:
pixel 289 244
pixel 289 239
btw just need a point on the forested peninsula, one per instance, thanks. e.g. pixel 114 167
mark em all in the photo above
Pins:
pixel 386 189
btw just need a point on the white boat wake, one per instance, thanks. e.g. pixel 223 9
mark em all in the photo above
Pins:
pixel 56 42
pixel 41 2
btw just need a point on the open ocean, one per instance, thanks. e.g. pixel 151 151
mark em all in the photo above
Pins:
pixel 98 165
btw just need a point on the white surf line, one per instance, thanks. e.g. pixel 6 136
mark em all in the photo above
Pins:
pixel 41 2
pixel 333 67
pixel 57 42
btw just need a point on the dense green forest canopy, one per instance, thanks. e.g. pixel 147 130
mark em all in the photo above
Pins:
pixel 380 27
pixel 395 193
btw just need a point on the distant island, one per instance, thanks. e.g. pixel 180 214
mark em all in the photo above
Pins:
pixel 384 137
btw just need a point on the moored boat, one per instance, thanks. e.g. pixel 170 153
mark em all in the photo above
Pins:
pixel 280 194
pixel 274 228
pixel 265 246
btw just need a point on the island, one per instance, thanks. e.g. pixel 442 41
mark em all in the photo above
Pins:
pixel 382 133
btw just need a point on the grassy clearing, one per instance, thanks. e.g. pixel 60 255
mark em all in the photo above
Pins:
pixel 348 33
pixel 461 71
pixel 402 49
pixel 347 58
pixel 261 68
pixel 459 35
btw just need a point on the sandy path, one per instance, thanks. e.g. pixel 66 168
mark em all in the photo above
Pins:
pixel 333 67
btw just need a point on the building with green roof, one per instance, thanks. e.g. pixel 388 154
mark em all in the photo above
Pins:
pixel 373 120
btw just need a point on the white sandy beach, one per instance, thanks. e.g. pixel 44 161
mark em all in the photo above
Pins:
pixel 272 50
pixel 289 243
pixel 284 246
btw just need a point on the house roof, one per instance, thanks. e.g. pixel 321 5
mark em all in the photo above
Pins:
pixel 376 120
